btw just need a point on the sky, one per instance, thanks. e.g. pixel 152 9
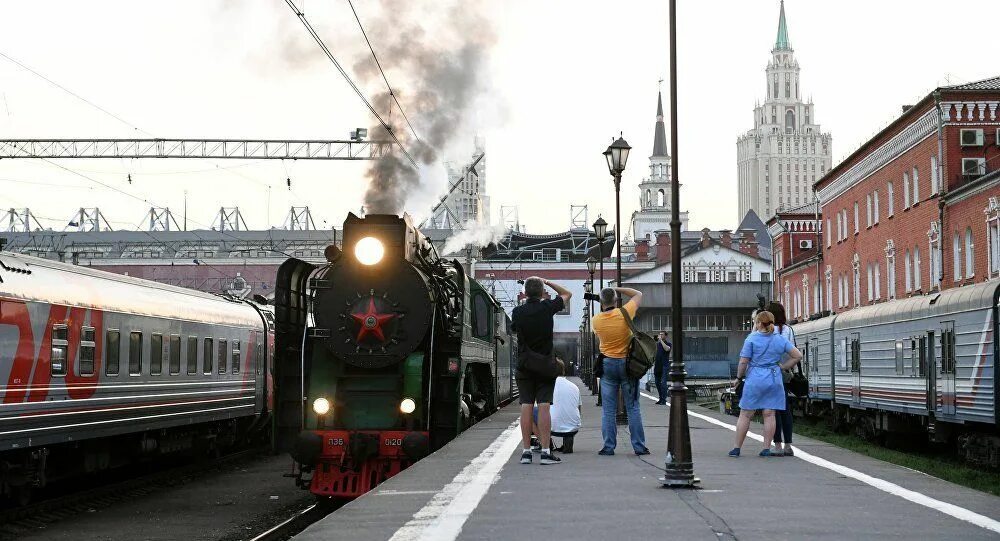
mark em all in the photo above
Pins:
pixel 562 78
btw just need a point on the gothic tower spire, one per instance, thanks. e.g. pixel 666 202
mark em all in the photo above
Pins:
pixel 782 43
pixel 659 136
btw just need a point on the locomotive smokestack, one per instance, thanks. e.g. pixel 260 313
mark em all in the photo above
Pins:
pixel 436 76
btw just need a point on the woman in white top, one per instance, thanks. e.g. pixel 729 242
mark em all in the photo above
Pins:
pixel 783 431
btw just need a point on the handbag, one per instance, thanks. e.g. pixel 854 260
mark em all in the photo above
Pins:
pixel 538 365
pixel 798 384
pixel 641 350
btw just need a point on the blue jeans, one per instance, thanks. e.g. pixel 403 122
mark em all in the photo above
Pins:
pixel 614 377
pixel 662 385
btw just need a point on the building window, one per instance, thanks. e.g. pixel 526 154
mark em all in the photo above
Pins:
pixel 840 228
pixel 917 282
pixel 970 261
pixel 906 191
pixel 829 287
pixel 935 176
pixel 956 249
pixel 868 204
pixel 934 249
pixel 788 88
pixel 871 282
pixel 857 221
pixel 875 206
pixel 916 186
pixel 878 281
pixel 992 212
pixel 890 268
pixel 789 121
pixel 891 203
pixel 908 264
pixel 828 233
pixel 774 111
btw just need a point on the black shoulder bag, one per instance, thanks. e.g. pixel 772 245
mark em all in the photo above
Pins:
pixel 536 364
pixel 641 350
pixel 799 384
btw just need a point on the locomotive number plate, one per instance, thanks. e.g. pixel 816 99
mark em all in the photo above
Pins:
pixel 393 442
pixel 335 442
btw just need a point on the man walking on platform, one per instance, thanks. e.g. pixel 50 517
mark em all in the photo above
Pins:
pixel 660 365
pixel 532 321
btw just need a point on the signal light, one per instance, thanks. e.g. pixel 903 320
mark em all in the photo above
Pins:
pixel 407 405
pixel 369 251
pixel 452 366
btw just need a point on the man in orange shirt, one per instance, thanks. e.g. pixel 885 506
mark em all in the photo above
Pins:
pixel 613 332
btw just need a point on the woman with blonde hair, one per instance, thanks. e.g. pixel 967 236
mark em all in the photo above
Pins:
pixel 763 389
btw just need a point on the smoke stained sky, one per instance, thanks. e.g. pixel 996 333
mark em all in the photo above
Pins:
pixel 562 78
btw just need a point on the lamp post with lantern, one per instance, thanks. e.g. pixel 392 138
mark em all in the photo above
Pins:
pixel 601 232
pixel 617 156
pixel 592 381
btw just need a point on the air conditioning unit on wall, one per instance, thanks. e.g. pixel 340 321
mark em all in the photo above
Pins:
pixel 805 244
pixel 971 137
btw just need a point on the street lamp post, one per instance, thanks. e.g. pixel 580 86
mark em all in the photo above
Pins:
pixel 617 157
pixel 601 232
pixel 591 381
pixel 679 469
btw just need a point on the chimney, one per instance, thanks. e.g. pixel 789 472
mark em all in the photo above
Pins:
pixel 727 238
pixel 706 239
pixel 642 250
pixel 662 247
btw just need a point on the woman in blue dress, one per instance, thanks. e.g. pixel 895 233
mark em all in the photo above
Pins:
pixel 760 363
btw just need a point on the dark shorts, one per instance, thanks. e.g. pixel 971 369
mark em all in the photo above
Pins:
pixel 532 390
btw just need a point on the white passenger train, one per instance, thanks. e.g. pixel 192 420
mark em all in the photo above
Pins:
pixel 925 363
pixel 97 369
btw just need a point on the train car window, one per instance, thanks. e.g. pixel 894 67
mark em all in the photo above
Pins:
pixel 112 348
pixel 88 347
pixel 925 350
pixel 208 355
pixel 914 358
pixel 156 354
pixel 236 356
pixel 192 355
pixel 948 348
pixel 135 353
pixel 481 317
pixel 899 357
pixel 175 355
pixel 842 354
pixel 223 355
pixel 60 350
pixel 855 352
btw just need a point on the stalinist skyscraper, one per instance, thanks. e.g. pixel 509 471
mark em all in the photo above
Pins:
pixel 785 152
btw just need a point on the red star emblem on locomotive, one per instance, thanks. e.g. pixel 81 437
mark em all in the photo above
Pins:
pixel 370 322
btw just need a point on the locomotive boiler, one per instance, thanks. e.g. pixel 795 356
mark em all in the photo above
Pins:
pixel 398 351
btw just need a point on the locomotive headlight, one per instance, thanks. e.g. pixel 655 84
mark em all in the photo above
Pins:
pixel 321 406
pixel 369 251
pixel 407 405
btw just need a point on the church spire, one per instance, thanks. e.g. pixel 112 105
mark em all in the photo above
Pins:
pixel 782 43
pixel 659 136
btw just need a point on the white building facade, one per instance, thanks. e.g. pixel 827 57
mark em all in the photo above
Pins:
pixel 780 159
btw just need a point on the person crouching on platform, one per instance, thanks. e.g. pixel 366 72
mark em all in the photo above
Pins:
pixel 532 321
pixel 567 409
pixel 613 332
pixel 763 389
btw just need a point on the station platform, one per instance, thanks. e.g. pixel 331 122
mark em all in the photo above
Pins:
pixel 475 488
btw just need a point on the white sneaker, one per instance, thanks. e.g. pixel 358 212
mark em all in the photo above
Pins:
pixel 526 456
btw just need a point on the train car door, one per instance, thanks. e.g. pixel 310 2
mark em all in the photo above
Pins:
pixel 259 371
pixel 812 346
pixel 856 368
pixel 926 368
pixel 946 381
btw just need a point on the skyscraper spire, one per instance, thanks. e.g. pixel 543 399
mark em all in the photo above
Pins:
pixel 782 43
pixel 659 136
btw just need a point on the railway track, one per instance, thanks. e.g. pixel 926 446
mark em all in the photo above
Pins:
pixel 297 522
pixel 18 520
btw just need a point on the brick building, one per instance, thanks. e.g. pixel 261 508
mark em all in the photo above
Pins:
pixel 797 235
pixel 914 209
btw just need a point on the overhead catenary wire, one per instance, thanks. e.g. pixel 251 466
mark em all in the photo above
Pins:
pixel 326 50
pixel 392 94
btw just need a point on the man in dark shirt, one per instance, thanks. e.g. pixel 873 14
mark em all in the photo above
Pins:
pixel 660 364
pixel 533 323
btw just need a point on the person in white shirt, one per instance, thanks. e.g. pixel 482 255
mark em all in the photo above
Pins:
pixel 566 411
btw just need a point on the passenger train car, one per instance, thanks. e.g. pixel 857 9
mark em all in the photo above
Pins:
pixel 98 368
pixel 396 351
pixel 925 363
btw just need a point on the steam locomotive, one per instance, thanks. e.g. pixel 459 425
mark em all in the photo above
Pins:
pixel 396 351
